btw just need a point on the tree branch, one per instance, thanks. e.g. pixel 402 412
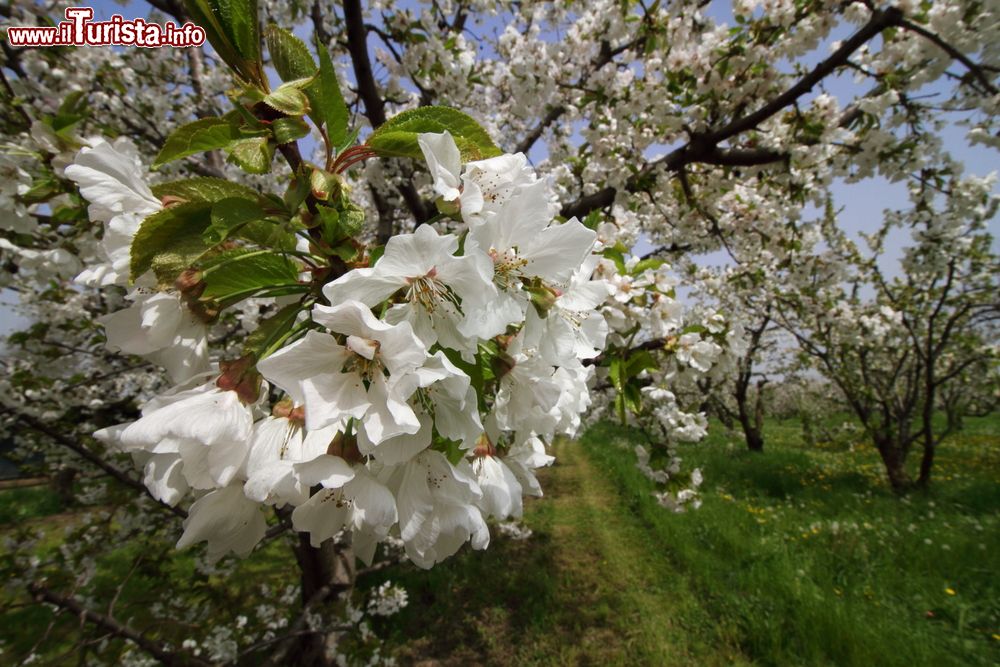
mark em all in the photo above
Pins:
pixel 357 46
pixel 704 147
pixel 976 70
pixel 156 649
pixel 84 452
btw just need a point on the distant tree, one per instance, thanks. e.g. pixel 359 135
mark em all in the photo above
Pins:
pixel 892 344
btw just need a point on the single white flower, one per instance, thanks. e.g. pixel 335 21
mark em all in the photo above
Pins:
pixel 208 427
pixel 524 458
pixel 363 505
pixel 437 507
pixel 434 282
pixel 110 176
pixel 484 186
pixel 158 326
pixel 329 379
pixel 500 486
pixel 524 248
pixel 227 520
pixel 285 460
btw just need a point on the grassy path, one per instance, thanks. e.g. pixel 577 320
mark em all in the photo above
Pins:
pixel 588 588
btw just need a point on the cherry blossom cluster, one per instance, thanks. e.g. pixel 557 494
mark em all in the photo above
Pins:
pixel 414 398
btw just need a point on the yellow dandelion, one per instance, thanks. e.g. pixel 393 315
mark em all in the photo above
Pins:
pixel 949 591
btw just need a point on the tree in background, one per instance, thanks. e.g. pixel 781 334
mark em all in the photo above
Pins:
pixel 892 346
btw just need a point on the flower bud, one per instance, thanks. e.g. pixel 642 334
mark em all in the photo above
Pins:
pixel 502 364
pixel 484 447
pixel 346 447
pixel 190 283
pixel 543 297
pixel 325 186
pixel 242 377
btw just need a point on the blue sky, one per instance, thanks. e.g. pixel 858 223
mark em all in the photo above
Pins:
pixel 861 204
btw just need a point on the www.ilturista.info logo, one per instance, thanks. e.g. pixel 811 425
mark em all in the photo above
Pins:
pixel 79 30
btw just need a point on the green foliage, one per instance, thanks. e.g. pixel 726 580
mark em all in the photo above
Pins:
pixel 610 577
pixel 327 101
pixel 252 155
pixel 289 54
pixel 289 98
pixel 228 216
pixel 171 237
pixel 233 31
pixel 203 188
pixel 23 503
pixel 272 331
pixel 397 137
pixel 289 129
pixel 340 224
pixel 624 371
pixel 202 135
pixel 239 273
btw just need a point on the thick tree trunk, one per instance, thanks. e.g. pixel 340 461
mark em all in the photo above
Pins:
pixel 754 438
pixel 751 425
pixel 327 572
pixel 894 459
pixel 926 463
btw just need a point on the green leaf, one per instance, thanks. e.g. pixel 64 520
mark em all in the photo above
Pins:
pixel 252 155
pixel 167 234
pixel 289 129
pixel 616 255
pixel 593 219
pixel 639 362
pixel 327 100
pixel 647 264
pixel 617 376
pixel 228 215
pixel 289 54
pixel 202 135
pixel 397 137
pixel 237 274
pixel 289 98
pixel 452 449
pixel 348 141
pixel 633 397
pixel 270 233
pixel 271 330
pixel 375 254
pixel 338 225
pixel 42 190
pixel 233 30
pixel 203 188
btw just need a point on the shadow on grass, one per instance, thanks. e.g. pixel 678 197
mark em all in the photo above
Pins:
pixel 493 603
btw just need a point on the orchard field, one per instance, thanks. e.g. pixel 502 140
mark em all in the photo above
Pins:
pixel 799 555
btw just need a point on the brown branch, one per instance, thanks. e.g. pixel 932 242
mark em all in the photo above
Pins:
pixel 156 649
pixel 879 21
pixel 976 70
pixel 84 452
pixel 316 14
pixel 704 147
pixel 535 134
pixel 357 46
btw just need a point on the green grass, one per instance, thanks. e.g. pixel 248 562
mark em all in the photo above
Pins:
pixel 797 557
pixel 24 503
